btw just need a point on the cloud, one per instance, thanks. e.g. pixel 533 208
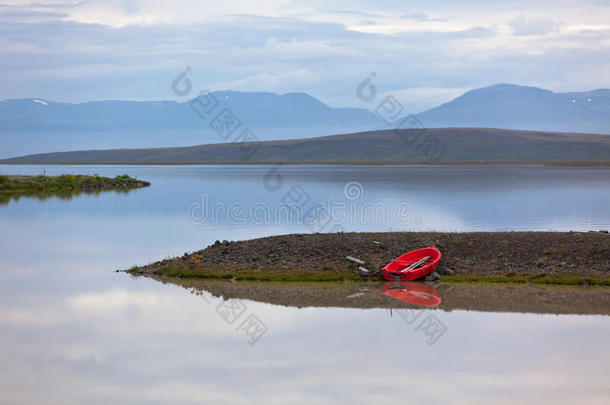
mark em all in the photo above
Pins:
pixel 420 17
pixel 77 51
pixel 280 83
pixel 352 12
pixel 536 26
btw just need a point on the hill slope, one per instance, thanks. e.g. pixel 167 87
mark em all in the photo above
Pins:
pixel 38 125
pixel 459 144
pixel 518 107
pixel 264 110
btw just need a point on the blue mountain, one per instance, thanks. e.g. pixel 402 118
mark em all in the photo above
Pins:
pixel 39 125
pixel 509 106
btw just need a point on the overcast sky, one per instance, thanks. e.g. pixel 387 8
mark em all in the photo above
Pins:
pixel 424 52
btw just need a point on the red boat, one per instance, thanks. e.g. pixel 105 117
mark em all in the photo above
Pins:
pixel 413 265
pixel 413 292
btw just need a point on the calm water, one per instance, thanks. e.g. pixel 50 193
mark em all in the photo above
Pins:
pixel 72 330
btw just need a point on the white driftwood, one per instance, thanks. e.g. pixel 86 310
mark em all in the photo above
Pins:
pixel 354 260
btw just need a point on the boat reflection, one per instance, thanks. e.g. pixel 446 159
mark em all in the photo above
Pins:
pixel 412 292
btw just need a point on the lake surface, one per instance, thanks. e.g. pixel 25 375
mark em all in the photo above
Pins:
pixel 73 331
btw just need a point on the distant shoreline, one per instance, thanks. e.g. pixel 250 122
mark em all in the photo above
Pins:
pixel 329 163
pixel 434 146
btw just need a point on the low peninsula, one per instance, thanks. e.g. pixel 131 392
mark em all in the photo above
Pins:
pixel 559 258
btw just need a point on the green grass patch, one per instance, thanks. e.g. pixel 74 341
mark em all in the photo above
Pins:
pixel 258 275
pixel 64 186
pixel 540 279
pixel 329 274
pixel 20 184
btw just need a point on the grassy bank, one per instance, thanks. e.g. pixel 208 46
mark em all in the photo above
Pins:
pixel 550 258
pixel 267 274
pixel 281 275
pixel 64 186
pixel 539 279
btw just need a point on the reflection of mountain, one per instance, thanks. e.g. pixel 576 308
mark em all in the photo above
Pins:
pixel 479 297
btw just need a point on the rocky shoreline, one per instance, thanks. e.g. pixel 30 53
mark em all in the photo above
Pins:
pixel 520 257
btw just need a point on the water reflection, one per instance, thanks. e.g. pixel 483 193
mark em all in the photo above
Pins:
pixel 141 341
pixel 65 195
pixel 73 331
pixel 457 198
pixel 520 298
pixel 412 292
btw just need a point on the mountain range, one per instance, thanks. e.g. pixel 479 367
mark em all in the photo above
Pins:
pixel 38 125
pixel 510 106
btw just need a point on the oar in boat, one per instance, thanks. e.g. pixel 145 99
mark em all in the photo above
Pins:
pixel 417 264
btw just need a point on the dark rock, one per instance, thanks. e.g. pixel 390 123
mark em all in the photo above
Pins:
pixel 603 231
pixel 446 271
pixel 541 261
pixel 433 276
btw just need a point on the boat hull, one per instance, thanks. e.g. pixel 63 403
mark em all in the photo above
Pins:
pixel 395 269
